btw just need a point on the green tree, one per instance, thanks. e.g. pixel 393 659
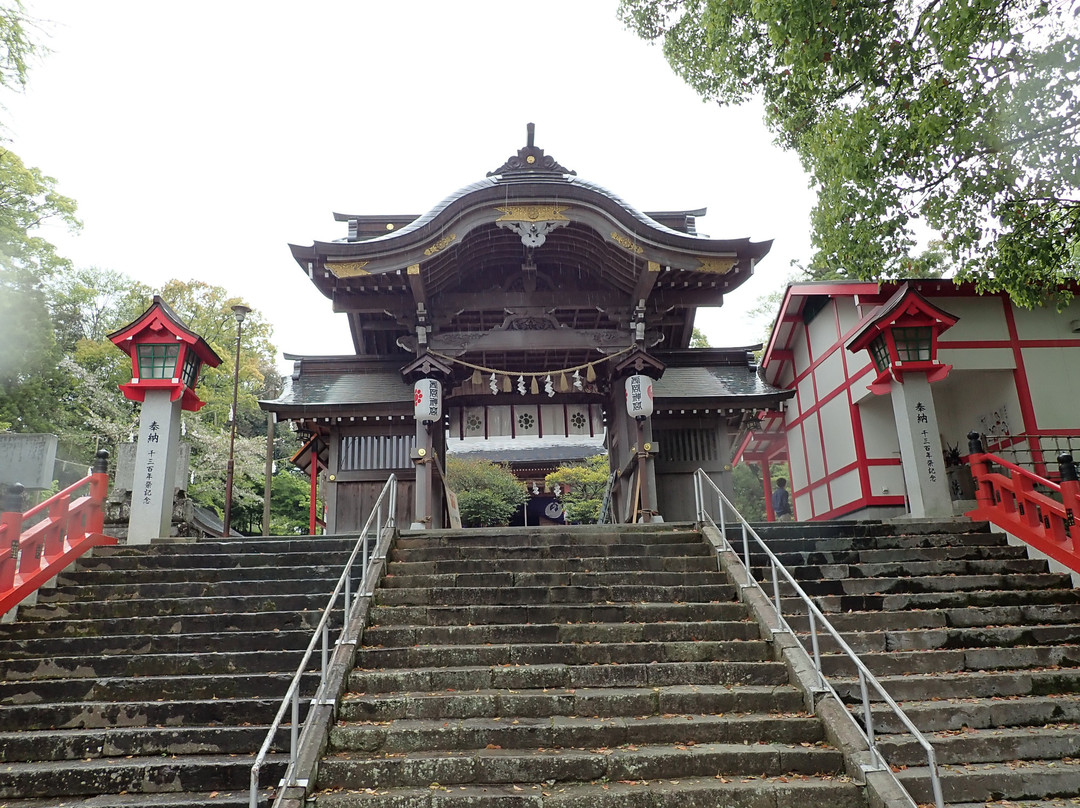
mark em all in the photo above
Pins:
pixel 582 488
pixel 488 493
pixel 698 339
pixel 961 113
pixel 748 492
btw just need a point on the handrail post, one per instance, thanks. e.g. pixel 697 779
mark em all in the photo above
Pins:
pixel 99 489
pixel 1070 496
pixel 11 518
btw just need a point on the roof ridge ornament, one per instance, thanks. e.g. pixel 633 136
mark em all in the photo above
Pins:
pixel 530 158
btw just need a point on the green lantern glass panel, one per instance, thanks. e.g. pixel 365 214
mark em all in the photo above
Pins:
pixel 880 353
pixel 191 370
pixel 913 344
pixel 158 361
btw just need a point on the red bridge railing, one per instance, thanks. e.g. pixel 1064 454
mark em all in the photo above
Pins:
pixel 1038 511
pixel 37 545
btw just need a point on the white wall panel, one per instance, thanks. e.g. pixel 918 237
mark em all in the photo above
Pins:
pixel 839 438
pixel 1046 323
pixel 820 500
pixel 1054 379
pixel 981 318
pixel 815 454
pixel 886 481
pixel 846 489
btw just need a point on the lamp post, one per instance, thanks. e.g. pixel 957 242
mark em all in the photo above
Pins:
pixel 240 312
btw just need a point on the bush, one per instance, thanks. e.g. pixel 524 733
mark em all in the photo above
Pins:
pixel 488 493
pixel 583 486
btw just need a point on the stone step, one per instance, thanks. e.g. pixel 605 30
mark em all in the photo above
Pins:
pixel 110 776
pixel 143 562
pixel 864 642
pixel 408 735
pixel 204 575
pixel 580 536
pixel 167 590
pixel 883 541
pixel 587 701
pixel 159 712
pixel 683 792
pixel 972 684
pixel 969 617
pixel 87 744
pixel 486 580
pixel 218 798
pixel 538 676
pixel 435 656
pixel 871 528
pixel 184 664
pixel 521 595
pixel 596 564
pixel 991 745
pixel 931 583
pixel 637 761
pixel 249 546
pixel 164 624
pixel 186 643
pixel 146 607
pixel 910 569
pixel 550 633
pixel 894 556
pixel 971 659
pixel 547 551
pixel 561 613
pixel 1026 779
pixel 146 688
pixel 1005 596
pixel 954 715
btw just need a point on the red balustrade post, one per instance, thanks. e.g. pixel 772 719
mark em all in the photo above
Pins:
pixel 99 489
pixel 59 521
pixel 980 470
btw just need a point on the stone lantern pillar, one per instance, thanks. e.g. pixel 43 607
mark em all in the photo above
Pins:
pixel 166 358
pixel 902 338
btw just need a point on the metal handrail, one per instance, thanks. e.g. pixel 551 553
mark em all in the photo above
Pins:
pixel 322 630
pixel 816 616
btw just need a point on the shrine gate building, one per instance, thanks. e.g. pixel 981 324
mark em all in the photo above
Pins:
pixel 531 296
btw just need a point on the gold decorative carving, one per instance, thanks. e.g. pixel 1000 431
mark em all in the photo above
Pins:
pixel 654 267
pixel 414 269
pixel 626 243
pixel 532 213
pixel 349 269
pixel 718 266
pixel 441 244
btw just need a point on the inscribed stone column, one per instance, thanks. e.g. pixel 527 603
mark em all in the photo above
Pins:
pixel 920 447
pixel 156 452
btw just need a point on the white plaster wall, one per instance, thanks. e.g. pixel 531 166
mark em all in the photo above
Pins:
pixel 796 459
pixel 1054 380
pixel 815 453
pixel 860 387
pixel 848 313
pixel 1046 323
pixel 976 358
pixel 819 498
pixel 886 481
pixel 965 400
pixel 830 374
pixel 799 348
pixel 879 427
pixel 846 488
pixel 981 318
pixel 822 330
pixel 806 397
pixel 839 440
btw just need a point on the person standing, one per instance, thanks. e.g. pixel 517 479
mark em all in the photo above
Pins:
pixel 781 501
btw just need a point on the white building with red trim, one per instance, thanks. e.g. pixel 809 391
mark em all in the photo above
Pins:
pixel 890 378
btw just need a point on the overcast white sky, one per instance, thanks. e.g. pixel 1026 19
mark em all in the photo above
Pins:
pixel 201 138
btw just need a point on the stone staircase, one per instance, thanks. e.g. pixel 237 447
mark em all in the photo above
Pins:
pixel 979 644
pixel 570 668
pixel 150 675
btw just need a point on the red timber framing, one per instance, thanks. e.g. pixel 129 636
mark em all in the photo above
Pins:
pixel 806 354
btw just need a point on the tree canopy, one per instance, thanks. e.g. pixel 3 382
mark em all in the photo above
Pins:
pixel 960 116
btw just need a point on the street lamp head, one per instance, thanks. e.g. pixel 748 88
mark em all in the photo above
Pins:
pixel 240 311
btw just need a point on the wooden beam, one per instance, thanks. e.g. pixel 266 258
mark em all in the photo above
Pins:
pixel 416 283
pixel 647 278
